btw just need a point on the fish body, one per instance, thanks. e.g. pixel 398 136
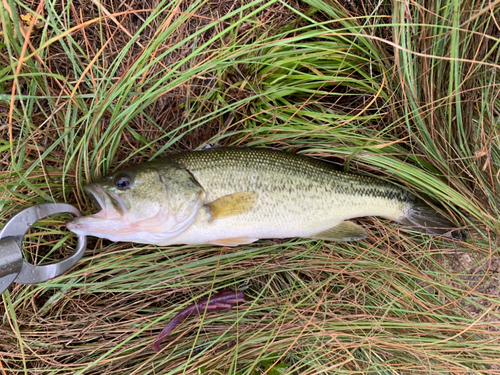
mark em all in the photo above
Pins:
pixel 232 196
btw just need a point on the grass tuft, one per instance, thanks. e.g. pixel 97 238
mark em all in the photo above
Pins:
pixel 407 91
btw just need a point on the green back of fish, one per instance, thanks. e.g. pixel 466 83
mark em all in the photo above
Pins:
pixel 239 168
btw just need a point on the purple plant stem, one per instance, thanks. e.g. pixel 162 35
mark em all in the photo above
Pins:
pixel 222 300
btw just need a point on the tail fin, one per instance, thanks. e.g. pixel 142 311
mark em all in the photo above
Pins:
pixel 424 217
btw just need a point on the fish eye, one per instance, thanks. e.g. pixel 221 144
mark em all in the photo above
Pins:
pixel 123 182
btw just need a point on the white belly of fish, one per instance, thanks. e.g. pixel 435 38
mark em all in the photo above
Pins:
pixel 271 222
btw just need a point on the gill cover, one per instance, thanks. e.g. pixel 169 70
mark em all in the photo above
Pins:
pixel 184 195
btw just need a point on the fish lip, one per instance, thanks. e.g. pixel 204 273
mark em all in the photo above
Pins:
pixel 80 225
pixel 101 197
pixel 96 193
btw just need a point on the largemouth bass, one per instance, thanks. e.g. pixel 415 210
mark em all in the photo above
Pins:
pixel 232 196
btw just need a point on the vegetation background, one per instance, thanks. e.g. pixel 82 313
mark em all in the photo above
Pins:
pixel 404 90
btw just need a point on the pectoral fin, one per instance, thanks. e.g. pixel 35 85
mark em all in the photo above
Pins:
pixel 231 205
pixel 345 231
pixel 233 241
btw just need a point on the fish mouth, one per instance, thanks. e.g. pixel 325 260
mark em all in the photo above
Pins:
pixel 111 208
pixel 95 196
pixel 108 203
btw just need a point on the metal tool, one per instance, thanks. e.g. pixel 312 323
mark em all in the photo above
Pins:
pixel 13 267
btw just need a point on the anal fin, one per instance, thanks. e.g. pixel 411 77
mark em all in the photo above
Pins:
pixel 232 204
pixel 345 231
pixel 233 241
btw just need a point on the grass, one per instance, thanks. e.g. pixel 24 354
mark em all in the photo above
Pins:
pixel 407 91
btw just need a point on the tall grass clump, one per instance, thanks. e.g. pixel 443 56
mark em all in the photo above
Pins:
pixel 406 91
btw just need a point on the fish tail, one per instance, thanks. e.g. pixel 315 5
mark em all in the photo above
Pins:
pixel 419 214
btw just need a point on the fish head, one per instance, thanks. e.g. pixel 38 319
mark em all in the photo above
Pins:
pixel 150 203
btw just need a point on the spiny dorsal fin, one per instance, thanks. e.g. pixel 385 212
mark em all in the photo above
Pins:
pixel 232 204
pixel 345 231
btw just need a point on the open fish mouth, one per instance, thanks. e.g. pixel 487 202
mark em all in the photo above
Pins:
pixel 94 196
pixel 108 203
pixel 110 208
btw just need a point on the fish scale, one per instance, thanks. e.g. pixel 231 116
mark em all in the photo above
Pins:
pixel 231 196
pixel 298 196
